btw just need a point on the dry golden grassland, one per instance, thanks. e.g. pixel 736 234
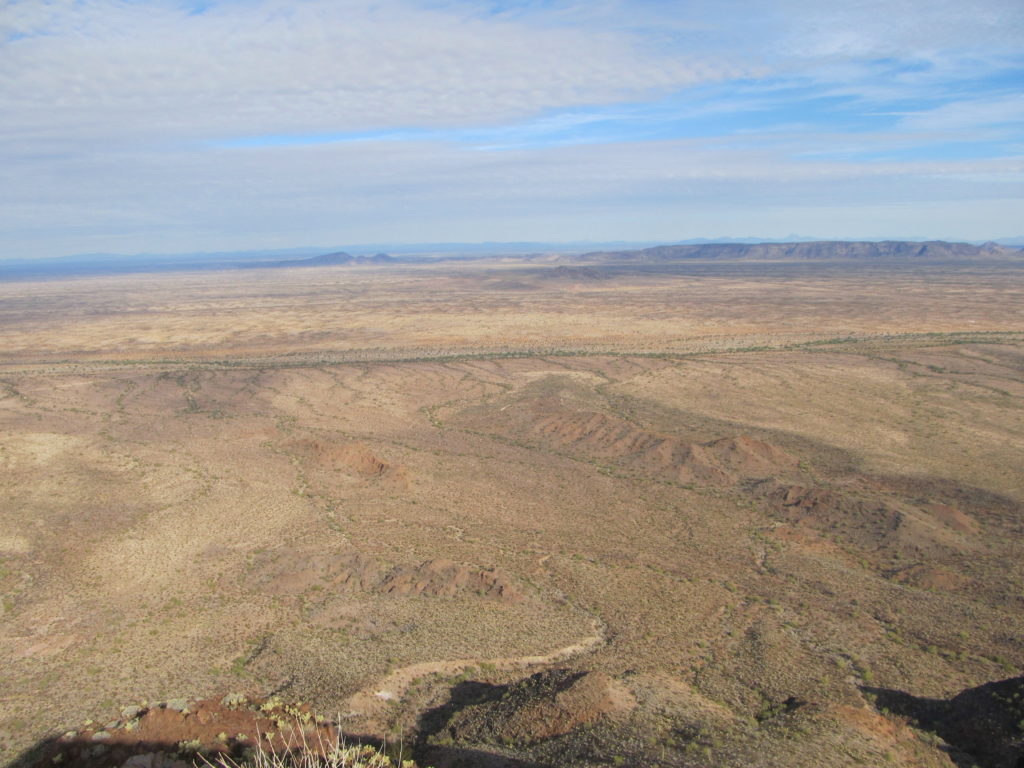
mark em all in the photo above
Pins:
pixel 493 307
pixel 361 488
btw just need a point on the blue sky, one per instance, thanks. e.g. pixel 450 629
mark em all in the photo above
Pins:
pixel 152 126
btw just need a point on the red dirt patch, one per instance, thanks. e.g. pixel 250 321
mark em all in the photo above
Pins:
pixel 954 518
pixel 176 732
pixel 747 456
pixel 719 462
pixel 356 458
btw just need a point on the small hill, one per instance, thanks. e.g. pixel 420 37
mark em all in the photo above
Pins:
pixel 553 420
pixel 296 571
pixel 355 458
pixel 338 259
pixel 327 259
pixel 873 518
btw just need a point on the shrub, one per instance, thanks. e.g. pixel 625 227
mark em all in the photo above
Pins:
pixel 309 755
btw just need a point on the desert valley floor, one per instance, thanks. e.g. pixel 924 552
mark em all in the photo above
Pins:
pixel 712 515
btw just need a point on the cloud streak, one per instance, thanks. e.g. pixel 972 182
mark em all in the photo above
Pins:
pixel 286 66
pixel 244 123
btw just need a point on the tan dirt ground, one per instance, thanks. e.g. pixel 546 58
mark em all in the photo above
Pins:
pixel 331 484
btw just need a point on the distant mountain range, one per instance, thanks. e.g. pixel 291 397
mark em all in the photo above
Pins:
pixel 325 260
pixel 810 251
pixel 106 264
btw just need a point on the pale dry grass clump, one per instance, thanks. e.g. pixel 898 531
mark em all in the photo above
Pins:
pixel 318 754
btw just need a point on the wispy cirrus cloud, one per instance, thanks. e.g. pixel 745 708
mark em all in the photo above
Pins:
pixel 159 68
pixel 238 123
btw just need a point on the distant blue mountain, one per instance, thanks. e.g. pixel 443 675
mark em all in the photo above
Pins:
pixel 722 248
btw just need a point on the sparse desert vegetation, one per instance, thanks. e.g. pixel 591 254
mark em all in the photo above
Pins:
pixel 709 514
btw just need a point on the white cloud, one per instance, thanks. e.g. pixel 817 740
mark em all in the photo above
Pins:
pixel 115 113
pixel 114 69
pixel 968 115
pixel 407 191
pixel 900 28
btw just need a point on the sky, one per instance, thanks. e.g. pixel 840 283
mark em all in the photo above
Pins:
pixel 161 126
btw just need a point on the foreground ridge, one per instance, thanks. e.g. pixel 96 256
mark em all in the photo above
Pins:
pixel 236 731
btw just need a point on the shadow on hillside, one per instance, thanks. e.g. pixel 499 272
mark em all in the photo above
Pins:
pixel 463 695
pixel 979 726
pixel 434 722
pixel 464 757
pixel 123 748
pixel 85 753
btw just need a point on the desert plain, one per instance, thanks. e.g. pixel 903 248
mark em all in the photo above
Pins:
pixel 511 514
